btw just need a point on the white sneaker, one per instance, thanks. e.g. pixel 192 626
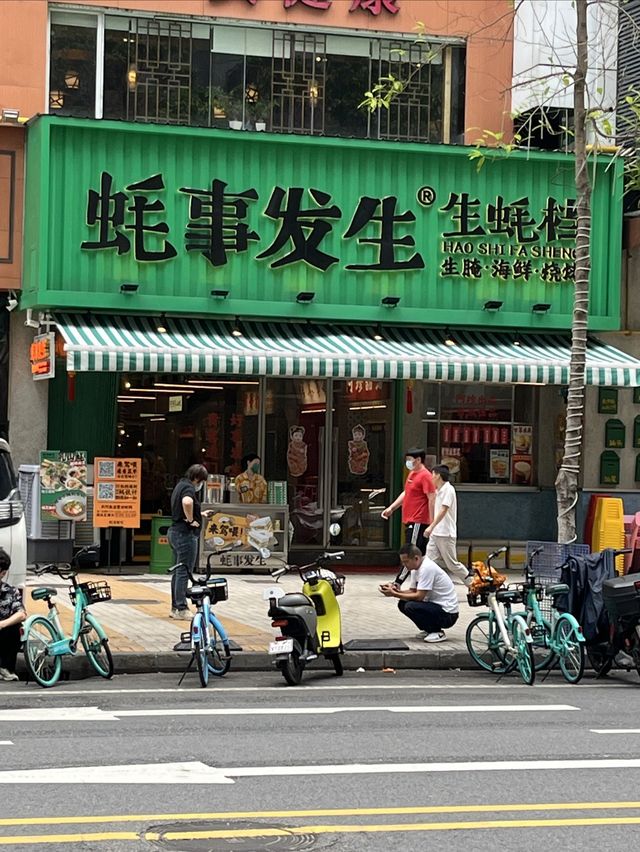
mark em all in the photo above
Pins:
pixel 5 674
pixel 180 613
pixel 435 637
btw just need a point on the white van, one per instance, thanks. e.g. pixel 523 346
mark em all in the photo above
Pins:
pixel 13 527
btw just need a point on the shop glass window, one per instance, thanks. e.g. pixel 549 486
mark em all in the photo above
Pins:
pixel 483 432
pixel 346 59
pixel 416 113
pixel 72 67
pixel 362 456
pixel 172 422
pixel 295 447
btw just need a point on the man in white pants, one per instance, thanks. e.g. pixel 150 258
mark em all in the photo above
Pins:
pixel 442 531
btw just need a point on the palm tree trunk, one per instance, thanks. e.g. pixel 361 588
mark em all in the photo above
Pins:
pixel 567 479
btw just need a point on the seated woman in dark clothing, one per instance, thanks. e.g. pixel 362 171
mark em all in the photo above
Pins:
pixel 12 615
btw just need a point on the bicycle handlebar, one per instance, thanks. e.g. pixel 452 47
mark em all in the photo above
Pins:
pixel 276 573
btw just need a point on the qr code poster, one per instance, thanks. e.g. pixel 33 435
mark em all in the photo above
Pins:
pixel 106 491
pixel 117 493
pixel 106 469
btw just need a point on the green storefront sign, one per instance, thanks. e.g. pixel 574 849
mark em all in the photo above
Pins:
pixel 180 214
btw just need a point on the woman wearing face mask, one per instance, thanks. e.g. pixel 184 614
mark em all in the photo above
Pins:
pixel 417 500
pixel 250 485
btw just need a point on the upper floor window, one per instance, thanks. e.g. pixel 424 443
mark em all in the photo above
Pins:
pixel 216 75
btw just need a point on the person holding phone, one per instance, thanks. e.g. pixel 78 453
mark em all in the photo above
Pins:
pixel 184 534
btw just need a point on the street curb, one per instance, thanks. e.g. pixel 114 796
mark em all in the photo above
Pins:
pixel 254 661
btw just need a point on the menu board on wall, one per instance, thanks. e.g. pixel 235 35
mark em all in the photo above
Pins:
pixel 116 494
pixel 63 486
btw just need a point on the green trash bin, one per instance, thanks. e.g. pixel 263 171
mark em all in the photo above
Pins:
pixel 161 556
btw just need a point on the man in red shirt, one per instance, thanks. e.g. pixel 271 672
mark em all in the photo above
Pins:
pixel 417 499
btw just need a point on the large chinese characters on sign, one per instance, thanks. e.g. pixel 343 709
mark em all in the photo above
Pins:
pixel 266 216
pixel 374 7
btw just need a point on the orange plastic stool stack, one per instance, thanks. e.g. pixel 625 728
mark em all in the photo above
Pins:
pixel 608 527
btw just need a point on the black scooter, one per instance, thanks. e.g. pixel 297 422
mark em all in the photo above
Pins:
pixel 621 597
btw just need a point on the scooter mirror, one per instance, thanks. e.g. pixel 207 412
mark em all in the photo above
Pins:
pixel 334 530
pixel 265 552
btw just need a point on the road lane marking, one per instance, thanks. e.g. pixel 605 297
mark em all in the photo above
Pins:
pixel 95 714
pixel 6 742
pixel 196 772
pixel 358 828
pixel 615 731
pixel 186 772
pixel 322 812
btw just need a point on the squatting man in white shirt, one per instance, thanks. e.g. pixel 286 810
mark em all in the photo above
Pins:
pixel 431 601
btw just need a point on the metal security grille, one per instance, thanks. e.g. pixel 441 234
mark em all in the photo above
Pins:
pixel 159 73
pixel 415 114
pixel 298 82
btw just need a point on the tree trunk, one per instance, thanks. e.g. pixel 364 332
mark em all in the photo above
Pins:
pixel 567 479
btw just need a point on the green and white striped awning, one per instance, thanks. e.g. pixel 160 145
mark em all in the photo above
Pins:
pixel 189 345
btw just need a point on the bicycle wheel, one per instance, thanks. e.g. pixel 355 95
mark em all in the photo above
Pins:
pixel 541 634
pixel 219 658
pixel 43 667
pixel 200 649
pixel 485 644
pixel 571 649
pixel 97 650
pixel 525 660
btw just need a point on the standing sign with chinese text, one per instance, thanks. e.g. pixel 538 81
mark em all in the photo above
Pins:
pixel 361 220
pixel 42 355
pixel 116 493
pixel 63 486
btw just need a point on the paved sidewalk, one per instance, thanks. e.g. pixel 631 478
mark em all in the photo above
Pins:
pixel 142 636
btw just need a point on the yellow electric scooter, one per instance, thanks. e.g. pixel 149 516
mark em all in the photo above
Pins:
pixel 309 622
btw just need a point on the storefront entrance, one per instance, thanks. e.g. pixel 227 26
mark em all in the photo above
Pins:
pixel 326 446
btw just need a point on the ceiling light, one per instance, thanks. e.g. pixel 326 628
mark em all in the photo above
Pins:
pixel 72 79
pixel 56 99
pixel 132 78
pixel 220 294
pixel 540 308
pixel 377 334
pixel 172 391
pixel 9 114
pixel 449 338
pixel 390 301
pixel 236 331
pixel 161 327
pixel 517 340
pixel 492 305
pixel 305 297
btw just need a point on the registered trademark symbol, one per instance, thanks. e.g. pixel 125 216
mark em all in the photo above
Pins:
pixel 426 195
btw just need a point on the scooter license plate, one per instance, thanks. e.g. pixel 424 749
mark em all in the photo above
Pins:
pixel 285 646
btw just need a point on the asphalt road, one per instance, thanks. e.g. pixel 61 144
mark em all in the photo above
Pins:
pixel 463 761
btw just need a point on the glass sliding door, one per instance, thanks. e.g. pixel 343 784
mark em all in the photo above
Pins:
pixel 295 440
pixel 362 456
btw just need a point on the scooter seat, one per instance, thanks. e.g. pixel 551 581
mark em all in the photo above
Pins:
pixel 294 599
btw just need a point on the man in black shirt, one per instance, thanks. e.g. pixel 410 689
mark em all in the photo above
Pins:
pixel 183 535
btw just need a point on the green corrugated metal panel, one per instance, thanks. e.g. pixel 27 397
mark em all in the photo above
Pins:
pixel 76 152
pixel 89 422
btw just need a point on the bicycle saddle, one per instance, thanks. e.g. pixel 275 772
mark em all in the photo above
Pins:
pixel 43 593
pixel 509 596
pixel 559 589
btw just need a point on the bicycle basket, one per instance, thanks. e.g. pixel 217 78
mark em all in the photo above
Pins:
pixel 94 592
pixel 478 598
pixel 218 590
pixel 485 579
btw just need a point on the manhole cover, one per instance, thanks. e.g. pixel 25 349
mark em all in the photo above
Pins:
pixel 205 837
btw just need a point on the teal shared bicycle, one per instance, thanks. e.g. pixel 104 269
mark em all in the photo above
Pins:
pixel 45 643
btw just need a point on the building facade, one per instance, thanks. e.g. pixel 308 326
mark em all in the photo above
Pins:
pixel 235 258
